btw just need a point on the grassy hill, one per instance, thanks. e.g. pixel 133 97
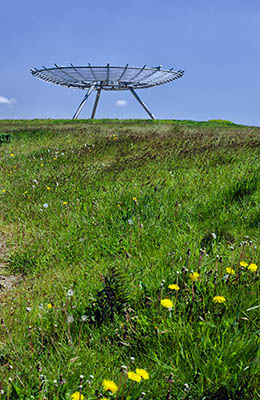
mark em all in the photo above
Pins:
pixel 137 243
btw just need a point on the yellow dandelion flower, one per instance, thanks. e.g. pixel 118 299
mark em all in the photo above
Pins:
pixel 230 271
pixel 48 188
pixel 77 396
pixel 3 191
pixel 134 198
pixel 167 303
pixel 142 372
pixel 219 299
pixel 110 385
pixel 243 264
pixel 134 377
pixel 49 306
pixel 252 267
pixel 174 286
pixel 194 276
pixel 104 398
pixel 11 155
pixel 65 203
pixel 41 165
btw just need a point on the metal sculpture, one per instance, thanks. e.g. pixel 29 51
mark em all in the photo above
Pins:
pixel 107 77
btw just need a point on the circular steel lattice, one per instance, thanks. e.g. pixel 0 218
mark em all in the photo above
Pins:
pixel 107 78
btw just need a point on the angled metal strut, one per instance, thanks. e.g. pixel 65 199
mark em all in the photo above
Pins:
pixel 142 103
pixel 75 116
pixel 96 103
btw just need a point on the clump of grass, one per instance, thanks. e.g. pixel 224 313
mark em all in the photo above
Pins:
pixel 111 300
pixel 5 138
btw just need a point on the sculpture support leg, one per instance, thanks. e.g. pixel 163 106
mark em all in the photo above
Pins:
pixel 75 116
pixel 95 104
pixel 142 103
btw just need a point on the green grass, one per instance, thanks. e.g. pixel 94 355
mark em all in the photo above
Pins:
pixel 118 210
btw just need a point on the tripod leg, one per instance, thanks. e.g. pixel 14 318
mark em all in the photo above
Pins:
pixel 95 104
pixel 75 116
pixel 142 103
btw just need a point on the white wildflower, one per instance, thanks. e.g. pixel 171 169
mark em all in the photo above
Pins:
pixel 70 319
pixel 70 293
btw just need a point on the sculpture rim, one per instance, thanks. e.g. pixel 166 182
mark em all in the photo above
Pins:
pixel 107 77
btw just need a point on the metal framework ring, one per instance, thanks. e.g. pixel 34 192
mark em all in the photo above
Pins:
pixel 107 78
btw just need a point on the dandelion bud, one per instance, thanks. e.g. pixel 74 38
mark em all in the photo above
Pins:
pixel 61 380
pixel 39 367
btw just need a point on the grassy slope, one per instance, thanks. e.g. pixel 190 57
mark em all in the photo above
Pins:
pixel 135 196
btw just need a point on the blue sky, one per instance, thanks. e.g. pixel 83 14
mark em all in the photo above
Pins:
pixel 217 43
